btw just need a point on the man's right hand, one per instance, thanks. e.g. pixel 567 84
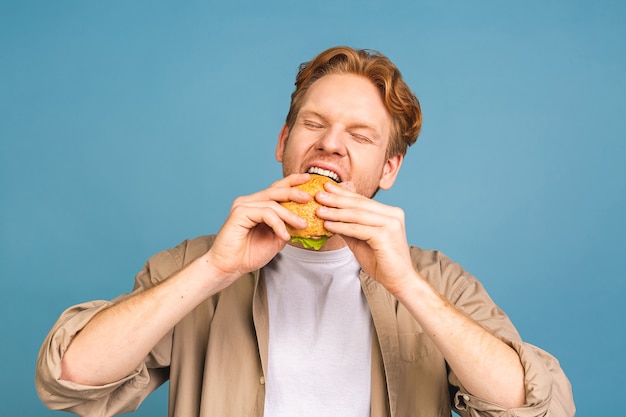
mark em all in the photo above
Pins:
pixel 118 338
pixel 255 230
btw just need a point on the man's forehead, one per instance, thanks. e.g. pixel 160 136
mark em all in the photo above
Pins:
pixel 351 97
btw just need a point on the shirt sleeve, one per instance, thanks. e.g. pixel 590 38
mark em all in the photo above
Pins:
pixel 548 390
pixel 118 397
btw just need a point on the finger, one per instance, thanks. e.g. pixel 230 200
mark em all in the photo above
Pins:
pixel 251 217
pixel 274 193
pixel 349 230
pixel 376 238
pixel 344 199
pixel 357 216
pixel 342 188
pixel 264 211
pixel 291 180
pixel 348 185
pixel 363 223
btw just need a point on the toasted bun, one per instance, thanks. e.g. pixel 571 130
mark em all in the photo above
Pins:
pixel 307 210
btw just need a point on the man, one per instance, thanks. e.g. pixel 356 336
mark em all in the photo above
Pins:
pixel 246 323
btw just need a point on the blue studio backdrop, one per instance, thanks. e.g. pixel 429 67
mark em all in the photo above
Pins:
pixel 127 127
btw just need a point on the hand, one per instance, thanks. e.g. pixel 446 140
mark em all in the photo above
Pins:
pixel 486 366
pixel 255 230
pixel 373 231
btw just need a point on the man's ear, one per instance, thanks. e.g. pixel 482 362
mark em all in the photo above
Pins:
pixel 390 171
pixel 282 141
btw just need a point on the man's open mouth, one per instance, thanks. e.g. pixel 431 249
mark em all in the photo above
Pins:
pixel 330 174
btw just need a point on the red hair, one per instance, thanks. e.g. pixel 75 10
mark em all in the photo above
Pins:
pixel 398 98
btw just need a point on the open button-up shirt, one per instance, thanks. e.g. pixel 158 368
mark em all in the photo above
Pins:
pixel 215 358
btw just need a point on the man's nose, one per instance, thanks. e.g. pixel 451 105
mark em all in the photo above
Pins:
pixel 332 141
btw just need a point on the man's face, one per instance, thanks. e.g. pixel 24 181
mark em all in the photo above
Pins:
pixel 342 127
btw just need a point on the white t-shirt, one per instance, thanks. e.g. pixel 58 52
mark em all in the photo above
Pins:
pixel 320 335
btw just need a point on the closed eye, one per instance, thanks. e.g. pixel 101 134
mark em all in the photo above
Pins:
pixel 360 138
pixel 312 125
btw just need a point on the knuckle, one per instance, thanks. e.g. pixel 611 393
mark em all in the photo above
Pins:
pixel 237 203
pixel 399 214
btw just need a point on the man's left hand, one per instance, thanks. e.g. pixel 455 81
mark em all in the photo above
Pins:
pixel 373 231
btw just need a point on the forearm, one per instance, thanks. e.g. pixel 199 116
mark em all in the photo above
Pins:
pixel 486 366
pixel 118 339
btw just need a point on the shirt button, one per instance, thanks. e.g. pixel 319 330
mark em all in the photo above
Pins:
pixel 262 380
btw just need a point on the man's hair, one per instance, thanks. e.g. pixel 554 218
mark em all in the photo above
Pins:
pixel 397 97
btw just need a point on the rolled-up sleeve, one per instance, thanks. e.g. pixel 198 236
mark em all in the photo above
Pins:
pixel 548 390
pixel 120 396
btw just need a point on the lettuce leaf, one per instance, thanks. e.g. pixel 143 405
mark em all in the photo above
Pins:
pixel 310 243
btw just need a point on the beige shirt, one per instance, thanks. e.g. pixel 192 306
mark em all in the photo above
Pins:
pixel 216 357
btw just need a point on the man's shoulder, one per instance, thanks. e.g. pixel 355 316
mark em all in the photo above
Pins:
pixel 185 252
pixel 200 243
pixel 190 249
pixel 424 257
pixel 445 274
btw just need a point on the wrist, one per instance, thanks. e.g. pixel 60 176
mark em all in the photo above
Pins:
pixel 417 294
pixel 214 277
pixel 405 287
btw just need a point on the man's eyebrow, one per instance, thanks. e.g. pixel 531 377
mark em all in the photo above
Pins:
pixel 305 113
pixel 362 125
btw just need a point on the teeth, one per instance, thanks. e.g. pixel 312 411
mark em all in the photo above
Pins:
pixel 324 172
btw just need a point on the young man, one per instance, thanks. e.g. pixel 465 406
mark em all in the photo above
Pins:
pixel 246 323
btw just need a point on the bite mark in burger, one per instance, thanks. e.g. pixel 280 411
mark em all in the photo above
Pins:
pixel 314 235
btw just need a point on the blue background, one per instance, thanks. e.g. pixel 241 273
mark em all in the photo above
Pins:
pixel 127 127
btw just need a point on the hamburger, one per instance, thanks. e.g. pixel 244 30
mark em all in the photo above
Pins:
pixel 315 235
